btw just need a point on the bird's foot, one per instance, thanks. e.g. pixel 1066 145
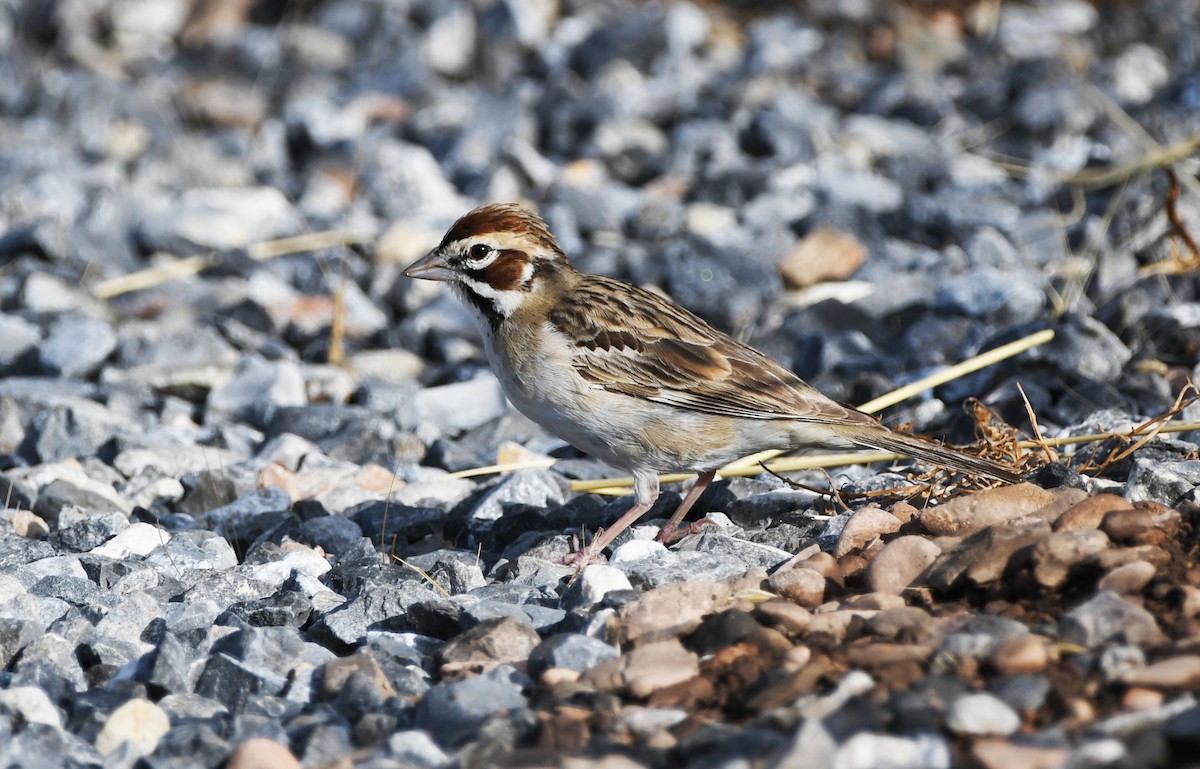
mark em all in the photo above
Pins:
pixel 673 532
pixel 582 556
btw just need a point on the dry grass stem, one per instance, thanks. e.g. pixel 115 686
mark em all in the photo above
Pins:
pixel 1161 157
pixel 1033 424
pixel 1178 263
pixel 795 464
pixel 194 265
pixel 506 467
pixel 424 574
pixel 298 244
pixel 337 327
pixel 153 276
pixel 1146 431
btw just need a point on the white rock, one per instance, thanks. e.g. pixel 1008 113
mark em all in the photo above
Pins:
pixel 10 587
pixel 637 550
pixel 597 581
pixel 869 751
pixel 32 704
pixel 443 489
pixel 178 460
pixel 644 721
pixel 461 406
pixel 981 714
pixel 54 566
pixel 140 539
pixel 217 219
pixel 139 722
pixel 305 560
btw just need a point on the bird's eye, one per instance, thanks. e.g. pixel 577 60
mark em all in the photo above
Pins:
pixel 480 251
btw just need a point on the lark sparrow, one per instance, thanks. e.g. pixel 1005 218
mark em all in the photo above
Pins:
pixel 632 378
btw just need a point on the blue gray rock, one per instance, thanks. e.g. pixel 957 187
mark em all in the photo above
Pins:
pixel 570 651
pixel 452 711
pixel 76 347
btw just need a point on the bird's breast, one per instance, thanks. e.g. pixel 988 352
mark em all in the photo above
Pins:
pixel 539 378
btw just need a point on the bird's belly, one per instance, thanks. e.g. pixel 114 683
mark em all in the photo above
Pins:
pixel 594 427
pixel 632 433
pixel 622 430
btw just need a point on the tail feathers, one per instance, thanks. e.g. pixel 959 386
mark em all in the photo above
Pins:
pixel 884 439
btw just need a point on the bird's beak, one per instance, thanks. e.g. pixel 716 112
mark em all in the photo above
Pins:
pixel 432 266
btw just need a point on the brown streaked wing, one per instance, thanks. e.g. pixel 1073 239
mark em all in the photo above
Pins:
pixel 635 342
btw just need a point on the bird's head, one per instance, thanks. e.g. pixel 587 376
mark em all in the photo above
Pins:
pixel 494 258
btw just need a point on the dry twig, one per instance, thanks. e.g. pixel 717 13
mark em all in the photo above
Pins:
pixel 1037 430
pixel 1144 432
pixel 1178 263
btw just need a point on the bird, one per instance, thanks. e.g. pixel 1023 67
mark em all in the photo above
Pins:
pixel 629 377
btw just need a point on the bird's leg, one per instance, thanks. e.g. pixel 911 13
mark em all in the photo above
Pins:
pixel 645 491
pixel 670 533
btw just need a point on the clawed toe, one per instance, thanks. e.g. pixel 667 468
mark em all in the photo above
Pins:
pixel 673 532
pixel 581 556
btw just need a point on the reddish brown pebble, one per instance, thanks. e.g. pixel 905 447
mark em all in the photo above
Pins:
pixel 1001 754
pixel 1189 600
pixel 261 753
pixel 904 512
pixel 1129 578
pixel 1137 698
pixel 1166 518
pixel 671 610
pixel 883 653
pixel 796 658
pixel 987 558
pixel 873 602
pixel 552 677
pixel 826 564
pixel 899 563
pixel 823 254
pixel 801 585
pixel 1020 655
pixel 784 614
pixel 908 624
pixel 1129 526
pixel 864 526
pixel 684 695
pixel 970 513
pixel 1054 556
pixel 1090 512
pixel 1182 672
pixel 854 563
pixel 1111 559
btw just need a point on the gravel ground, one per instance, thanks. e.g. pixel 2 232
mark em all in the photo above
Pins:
pixel 233 537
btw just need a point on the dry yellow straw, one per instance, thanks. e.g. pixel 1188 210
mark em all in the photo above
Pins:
pixel 185 268
pixel 311 241
pixel 152 276
pixel 619 486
